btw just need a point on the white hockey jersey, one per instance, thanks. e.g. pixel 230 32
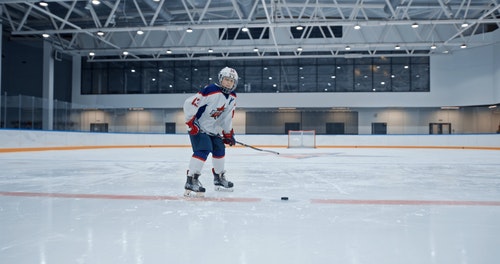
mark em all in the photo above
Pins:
pixel 213 109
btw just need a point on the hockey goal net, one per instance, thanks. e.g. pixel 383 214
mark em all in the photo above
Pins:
pixel 302 138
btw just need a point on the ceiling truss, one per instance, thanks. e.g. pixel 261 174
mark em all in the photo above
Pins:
pixel 131 30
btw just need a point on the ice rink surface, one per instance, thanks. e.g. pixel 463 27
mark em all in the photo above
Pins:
pixel 359 206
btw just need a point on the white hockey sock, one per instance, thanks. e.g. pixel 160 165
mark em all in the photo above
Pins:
pixel 218 164
pixel 195 166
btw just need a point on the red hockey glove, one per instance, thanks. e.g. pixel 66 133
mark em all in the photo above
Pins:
pixel 193 127
pixel 228 138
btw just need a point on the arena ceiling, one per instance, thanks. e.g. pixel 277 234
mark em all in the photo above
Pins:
pixel 153 30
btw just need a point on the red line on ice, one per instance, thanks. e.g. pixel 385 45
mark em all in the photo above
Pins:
pixel 247 200
pixel 128 197
pixel 406 202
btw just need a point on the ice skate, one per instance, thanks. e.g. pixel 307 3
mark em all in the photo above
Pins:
pixel 193 187
pixel 220 182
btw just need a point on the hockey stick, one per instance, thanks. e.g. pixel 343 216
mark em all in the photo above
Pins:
pixel 243 144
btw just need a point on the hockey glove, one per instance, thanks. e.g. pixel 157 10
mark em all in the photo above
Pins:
pixel 193 127
pixel 228 138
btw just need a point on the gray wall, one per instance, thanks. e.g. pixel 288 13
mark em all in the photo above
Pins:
pixel 399 120
pixel 467 77
pixel 22 70
pixel 22 67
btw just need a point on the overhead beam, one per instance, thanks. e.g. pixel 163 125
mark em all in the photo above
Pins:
pixel 267 57
pixel 229 24
pixel 76 29
pixel 271 47
pixel 475 22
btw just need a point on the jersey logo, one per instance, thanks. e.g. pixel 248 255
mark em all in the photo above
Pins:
pixel 195 101
pixel 218 111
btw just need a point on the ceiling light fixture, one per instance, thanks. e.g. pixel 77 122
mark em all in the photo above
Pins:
pixel 45 35
pixel 347 48
pixel 169 51
pixel 433 46
pixel 100 33
pixel 43 3
pixel 414 25
pixel 397 47
pixel 299 27
pixel 357 26
pixel 125 53
pixel 96 2
pixel 256 49
pixel 465 24
pixel 189 30
pixel 463 46
pixel 299 49
pixel 92 54
pixel 210 50
pixel 244 29
pixel 140 32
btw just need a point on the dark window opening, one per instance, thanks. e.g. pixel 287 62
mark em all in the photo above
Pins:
pixel 317 32
pixel 237 33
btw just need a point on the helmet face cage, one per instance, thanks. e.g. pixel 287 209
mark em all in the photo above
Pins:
pixel 231 74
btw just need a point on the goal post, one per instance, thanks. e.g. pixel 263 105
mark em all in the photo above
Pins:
pixel 301 138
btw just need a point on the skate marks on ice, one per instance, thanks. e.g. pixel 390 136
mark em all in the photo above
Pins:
pixel 339 210
pixel 314 174
pixel 307 155
pixel 372 176
pixel 293 154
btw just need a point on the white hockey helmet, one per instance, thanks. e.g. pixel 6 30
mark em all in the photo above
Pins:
pixel 231 74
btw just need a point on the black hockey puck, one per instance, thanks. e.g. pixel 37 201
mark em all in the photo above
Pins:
pixel 284 198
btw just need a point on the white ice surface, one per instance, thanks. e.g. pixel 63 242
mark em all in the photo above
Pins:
pixel 124 223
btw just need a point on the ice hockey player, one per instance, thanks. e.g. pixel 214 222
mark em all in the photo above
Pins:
pixel 209 118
